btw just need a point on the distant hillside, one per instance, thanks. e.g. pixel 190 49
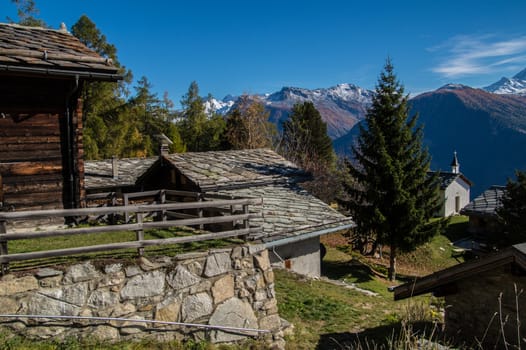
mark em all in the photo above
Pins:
pixel 487 130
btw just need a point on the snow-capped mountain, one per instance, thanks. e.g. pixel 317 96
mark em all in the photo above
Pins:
pixel 219 106
pixel 341 106
pixel 514 86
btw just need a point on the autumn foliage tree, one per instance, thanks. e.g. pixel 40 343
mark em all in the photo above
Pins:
pixel 248 126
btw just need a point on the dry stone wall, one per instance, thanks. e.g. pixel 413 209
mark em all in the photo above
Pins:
pixel 227 287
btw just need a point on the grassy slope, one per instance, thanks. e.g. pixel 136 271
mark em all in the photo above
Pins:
pixel 325 316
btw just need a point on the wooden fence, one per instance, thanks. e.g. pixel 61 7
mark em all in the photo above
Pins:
pixel 205 211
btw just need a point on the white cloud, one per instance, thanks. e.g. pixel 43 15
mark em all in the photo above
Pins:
pixel 469 55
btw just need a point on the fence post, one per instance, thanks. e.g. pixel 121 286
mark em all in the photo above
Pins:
pixel 200 210
pixel 162 200
pixel 140 232
pixel 126 202
pixel 4 268
pixel 246 223
pixel 113 203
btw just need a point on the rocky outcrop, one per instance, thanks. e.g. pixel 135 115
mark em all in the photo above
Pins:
pixel 227 288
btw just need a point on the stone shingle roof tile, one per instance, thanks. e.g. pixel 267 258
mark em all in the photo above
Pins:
pixel 33 47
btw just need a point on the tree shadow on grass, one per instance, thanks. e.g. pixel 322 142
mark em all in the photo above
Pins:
pixel 457 231
pixel 336 270
pixel 381 337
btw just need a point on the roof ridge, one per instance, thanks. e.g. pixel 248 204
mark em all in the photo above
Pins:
pixel 16 25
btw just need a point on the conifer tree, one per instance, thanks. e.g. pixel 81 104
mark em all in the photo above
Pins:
pixel 199 131
pixel 512 213
pixel 392 194
pixel 305 138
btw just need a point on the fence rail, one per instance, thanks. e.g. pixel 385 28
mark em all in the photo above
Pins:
pixel 206 211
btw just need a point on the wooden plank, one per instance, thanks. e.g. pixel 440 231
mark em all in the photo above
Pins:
pixel 126 209
pixel 18 147
pixel 4 267
pixel 33 187
pixel 39 178
pixel 30 155
pixel 143 194
pixel 125 245
pixel 171 214
pixel 30 168
pixel 31 131
pixel 33 140
pixel 34 198
pixel 139 226
pixel 69 232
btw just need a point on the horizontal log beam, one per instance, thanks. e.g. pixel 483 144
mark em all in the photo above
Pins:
pixel 21 215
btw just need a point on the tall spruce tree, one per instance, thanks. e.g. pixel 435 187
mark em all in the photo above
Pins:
pixel 392 194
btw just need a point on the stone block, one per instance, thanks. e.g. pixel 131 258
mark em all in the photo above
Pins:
pixel 271 322
pixel 168 312
pixel 48 272
pixel 113 279
pixel 102 299
pixel 11 285
pixel 223 289
pixel 81 272
pixel 196 306
pixel 181 278
pixel 232 313
pixel 261 260
pixel 113 268
pixel 75 294
pixel 143 286
pixel 105 333
pixel 8 306
pixel 217 264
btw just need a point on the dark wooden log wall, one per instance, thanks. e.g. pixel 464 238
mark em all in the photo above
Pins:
pixel 34 164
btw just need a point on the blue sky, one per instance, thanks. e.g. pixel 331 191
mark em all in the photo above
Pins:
pixel 235 47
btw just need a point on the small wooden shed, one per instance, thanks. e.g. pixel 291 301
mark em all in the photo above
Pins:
pixel 292 219
pixel 42 73
pixel 485 298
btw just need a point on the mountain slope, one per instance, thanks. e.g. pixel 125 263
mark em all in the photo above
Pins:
pixel 341 106
pixel 487 130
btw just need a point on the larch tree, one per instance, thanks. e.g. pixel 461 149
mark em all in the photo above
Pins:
pixel 305 142
pixel 248 126
pixel 27 13
pixel 392 194
pixel 512 212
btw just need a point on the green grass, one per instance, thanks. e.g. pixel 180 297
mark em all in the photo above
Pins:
pixel 62 242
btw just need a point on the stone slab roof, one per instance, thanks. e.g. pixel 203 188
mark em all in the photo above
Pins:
pixel 433 283
pixel 447 178
pixel 486 203
pixel 288 210
pixel 213 171
pixel 50 52
pixel 98 174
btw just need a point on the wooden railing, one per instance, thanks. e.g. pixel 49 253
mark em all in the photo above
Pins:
pixel 166 215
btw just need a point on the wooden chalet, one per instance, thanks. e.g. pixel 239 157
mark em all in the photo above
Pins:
pixel 42 73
